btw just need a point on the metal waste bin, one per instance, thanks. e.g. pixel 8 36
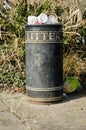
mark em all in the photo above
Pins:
pixel 44 62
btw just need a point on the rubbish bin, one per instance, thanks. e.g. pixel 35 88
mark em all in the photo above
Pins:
pixel 44 62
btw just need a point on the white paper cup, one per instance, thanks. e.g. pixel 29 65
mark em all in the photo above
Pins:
pixel 52 19
pixel 42 18
pixel 32 20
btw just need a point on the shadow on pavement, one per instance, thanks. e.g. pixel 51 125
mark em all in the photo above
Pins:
pixel 74 95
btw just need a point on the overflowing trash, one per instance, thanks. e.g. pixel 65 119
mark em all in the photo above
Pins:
pixel 42 19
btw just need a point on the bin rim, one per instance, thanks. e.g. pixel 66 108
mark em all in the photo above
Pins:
pixel 43 25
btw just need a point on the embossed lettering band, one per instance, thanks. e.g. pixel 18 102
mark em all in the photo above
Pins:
pixel 43 36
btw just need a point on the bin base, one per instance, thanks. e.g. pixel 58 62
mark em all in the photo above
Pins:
pixel 44 97
pixel 43 102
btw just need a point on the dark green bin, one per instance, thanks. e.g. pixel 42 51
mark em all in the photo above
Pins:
pixel 44 62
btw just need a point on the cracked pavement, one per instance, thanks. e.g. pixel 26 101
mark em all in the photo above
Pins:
pixel 17 113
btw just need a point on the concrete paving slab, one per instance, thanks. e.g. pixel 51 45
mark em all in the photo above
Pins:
pixel 5 95
pixel 81 102
pixel 67 115
pixel 3 107
pixel 50 124
pixel 8 120
pixel 24 109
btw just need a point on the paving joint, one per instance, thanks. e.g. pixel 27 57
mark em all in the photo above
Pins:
pixel 64 115
pixel 9 110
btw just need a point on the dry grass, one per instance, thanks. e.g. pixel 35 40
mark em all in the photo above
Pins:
pixel 12 52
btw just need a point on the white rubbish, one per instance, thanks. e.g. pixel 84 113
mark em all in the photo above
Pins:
pixel 32 19
pixel 52 19
pixel 42 19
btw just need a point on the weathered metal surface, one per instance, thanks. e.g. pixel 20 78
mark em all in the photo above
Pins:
pixel 44 62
